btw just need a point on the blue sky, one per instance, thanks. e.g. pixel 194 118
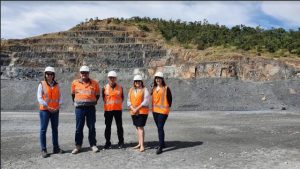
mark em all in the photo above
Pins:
pixel 25 19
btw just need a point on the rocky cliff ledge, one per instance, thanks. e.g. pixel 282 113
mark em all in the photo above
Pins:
pixel 103 46
pixel 234 83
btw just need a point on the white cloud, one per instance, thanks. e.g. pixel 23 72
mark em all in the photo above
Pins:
pixel 19 19
pixel 288 12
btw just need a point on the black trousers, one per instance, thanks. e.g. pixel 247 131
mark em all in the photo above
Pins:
pixel 109 115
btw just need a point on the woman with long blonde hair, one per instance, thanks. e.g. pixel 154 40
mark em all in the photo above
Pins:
pixel 138 101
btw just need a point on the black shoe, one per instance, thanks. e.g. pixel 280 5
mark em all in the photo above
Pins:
pixel 58 151
pixel 44 154
pixel 159 150
pixel 121 145
pixel 164 146
pixel 107 146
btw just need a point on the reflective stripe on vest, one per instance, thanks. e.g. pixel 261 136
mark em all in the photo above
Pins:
pixel 51 95
pixel 137 100
pixel 113 98
pixel 113 102
pixel 87 92
pixel 162 106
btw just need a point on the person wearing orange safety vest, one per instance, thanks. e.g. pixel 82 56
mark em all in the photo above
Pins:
pixel 161 103
pixel 113 97
pixel 85 94
pixel 138 101
pixel 50 99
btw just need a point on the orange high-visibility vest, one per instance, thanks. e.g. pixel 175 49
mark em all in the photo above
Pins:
pixel 112 98
pixel 85 93
pixel 159 101
pixel 50 95
pixel 137 99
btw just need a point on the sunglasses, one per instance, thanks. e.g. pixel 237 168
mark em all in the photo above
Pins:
pixel 84 72
pixel 50 74
pixel 136 81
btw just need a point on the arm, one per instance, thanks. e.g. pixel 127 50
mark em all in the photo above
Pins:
pixel 61 99
pixel 40 96
pixel 73 91
pixel 97 92
pixel 128 100
pixel 103 94
pixel 73 97
pixel 122 94
pixel 169 96
pixel 146 99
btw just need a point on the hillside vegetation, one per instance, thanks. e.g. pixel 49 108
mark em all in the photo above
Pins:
pixel 201 35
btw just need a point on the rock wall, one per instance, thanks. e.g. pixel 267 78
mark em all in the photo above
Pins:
pixel 198 94
pixel 105 47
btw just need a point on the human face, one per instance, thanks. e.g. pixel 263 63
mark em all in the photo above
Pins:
pixel 138 83
pixel 49 76
pixel 158 81
pixel 112 80
pixel 84 75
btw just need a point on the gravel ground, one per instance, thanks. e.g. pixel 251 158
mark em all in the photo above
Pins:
pixel 202 139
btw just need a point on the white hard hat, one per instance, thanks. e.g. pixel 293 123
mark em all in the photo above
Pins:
pixel 112 74
pixel 137 77
pixel 159 74
pixel 84 69
pixel 49 69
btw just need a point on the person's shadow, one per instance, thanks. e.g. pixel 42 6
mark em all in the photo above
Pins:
pixel 170 145
pixel 83 149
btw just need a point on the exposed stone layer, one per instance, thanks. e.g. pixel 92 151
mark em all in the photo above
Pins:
pixel 106 47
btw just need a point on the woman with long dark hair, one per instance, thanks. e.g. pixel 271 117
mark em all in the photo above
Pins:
pixel 161 103
pixel 50 99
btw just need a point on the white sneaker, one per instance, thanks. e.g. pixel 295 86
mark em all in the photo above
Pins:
pixel 76 150
pixel 94 149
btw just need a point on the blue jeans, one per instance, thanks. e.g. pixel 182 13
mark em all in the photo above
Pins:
pixel 45 116
pixel 160 120
pixel 87 113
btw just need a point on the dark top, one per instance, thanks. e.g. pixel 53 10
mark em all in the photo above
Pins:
pixel 169 96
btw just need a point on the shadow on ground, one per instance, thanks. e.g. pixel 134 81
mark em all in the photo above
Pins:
pixel 170 145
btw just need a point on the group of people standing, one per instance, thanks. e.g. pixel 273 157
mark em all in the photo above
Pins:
pixel 85 95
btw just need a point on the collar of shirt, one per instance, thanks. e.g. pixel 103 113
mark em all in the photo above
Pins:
pixel 81 81
pixel 113 86
pixel 52 83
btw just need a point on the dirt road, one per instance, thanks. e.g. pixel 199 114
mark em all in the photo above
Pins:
pixel 251 139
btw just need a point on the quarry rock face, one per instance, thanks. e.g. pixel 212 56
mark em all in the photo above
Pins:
pixel 129 52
